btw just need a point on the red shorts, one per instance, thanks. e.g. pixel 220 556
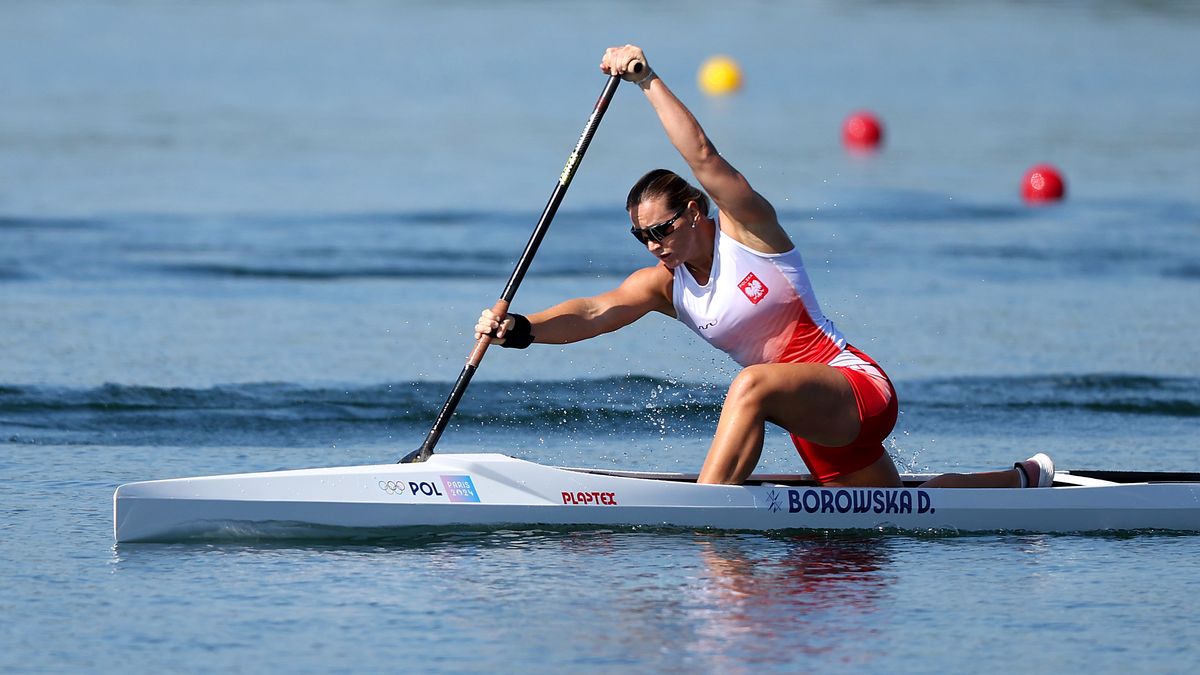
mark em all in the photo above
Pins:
pixel 877 410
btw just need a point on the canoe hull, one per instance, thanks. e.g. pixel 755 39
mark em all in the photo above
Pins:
pixel 492 490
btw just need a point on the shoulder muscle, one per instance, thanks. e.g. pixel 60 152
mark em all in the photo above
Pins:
pixel 646 290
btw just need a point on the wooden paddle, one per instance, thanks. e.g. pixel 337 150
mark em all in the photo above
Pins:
pixel 500 309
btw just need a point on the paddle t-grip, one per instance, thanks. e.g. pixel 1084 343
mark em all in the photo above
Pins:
pixel 636 66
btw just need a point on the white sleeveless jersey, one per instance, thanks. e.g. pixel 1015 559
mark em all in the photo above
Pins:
pixel 759 308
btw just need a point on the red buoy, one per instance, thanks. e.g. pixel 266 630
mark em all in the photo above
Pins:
pixel 862 130
pixel 1043 183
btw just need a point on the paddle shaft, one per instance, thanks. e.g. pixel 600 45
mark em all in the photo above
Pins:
pixel 500 309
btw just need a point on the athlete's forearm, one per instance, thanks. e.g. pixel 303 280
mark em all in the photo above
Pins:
pixel 571 321
pixel 723 183
pixel 746 211
pixel 683 130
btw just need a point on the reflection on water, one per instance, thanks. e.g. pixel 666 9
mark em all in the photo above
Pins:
pixel 646 599
pixel 720 602
pixel 772 598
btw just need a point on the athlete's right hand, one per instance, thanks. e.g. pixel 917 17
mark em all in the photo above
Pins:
pixel 490 324
pixel 622 61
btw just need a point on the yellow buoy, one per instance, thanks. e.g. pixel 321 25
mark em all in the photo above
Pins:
pixel 719 76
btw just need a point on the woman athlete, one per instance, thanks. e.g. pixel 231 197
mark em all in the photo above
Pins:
pixel 736 279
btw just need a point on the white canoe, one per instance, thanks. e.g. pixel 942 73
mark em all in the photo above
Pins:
pixel 497 491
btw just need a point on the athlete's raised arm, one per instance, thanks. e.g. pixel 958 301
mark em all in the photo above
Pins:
pixel 746 215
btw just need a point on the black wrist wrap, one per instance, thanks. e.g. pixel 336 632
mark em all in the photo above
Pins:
pixel 518 337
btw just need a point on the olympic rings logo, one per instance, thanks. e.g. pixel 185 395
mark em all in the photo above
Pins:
pixel 392 487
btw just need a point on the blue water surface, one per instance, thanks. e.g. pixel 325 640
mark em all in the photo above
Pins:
pixel 253 236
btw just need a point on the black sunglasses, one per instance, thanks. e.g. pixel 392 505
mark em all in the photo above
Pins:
pixel 656 232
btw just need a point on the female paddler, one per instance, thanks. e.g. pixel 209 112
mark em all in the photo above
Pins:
pixel 733 276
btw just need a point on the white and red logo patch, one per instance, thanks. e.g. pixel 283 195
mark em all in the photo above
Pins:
pixel 754 289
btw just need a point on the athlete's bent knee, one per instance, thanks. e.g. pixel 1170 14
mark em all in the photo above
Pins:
pixel 749 388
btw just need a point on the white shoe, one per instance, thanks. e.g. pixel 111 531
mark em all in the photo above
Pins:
pixel 1038 470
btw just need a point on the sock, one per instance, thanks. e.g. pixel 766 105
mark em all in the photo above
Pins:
pixel 1022 473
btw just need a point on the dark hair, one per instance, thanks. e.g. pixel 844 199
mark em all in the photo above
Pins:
pixel 669 186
